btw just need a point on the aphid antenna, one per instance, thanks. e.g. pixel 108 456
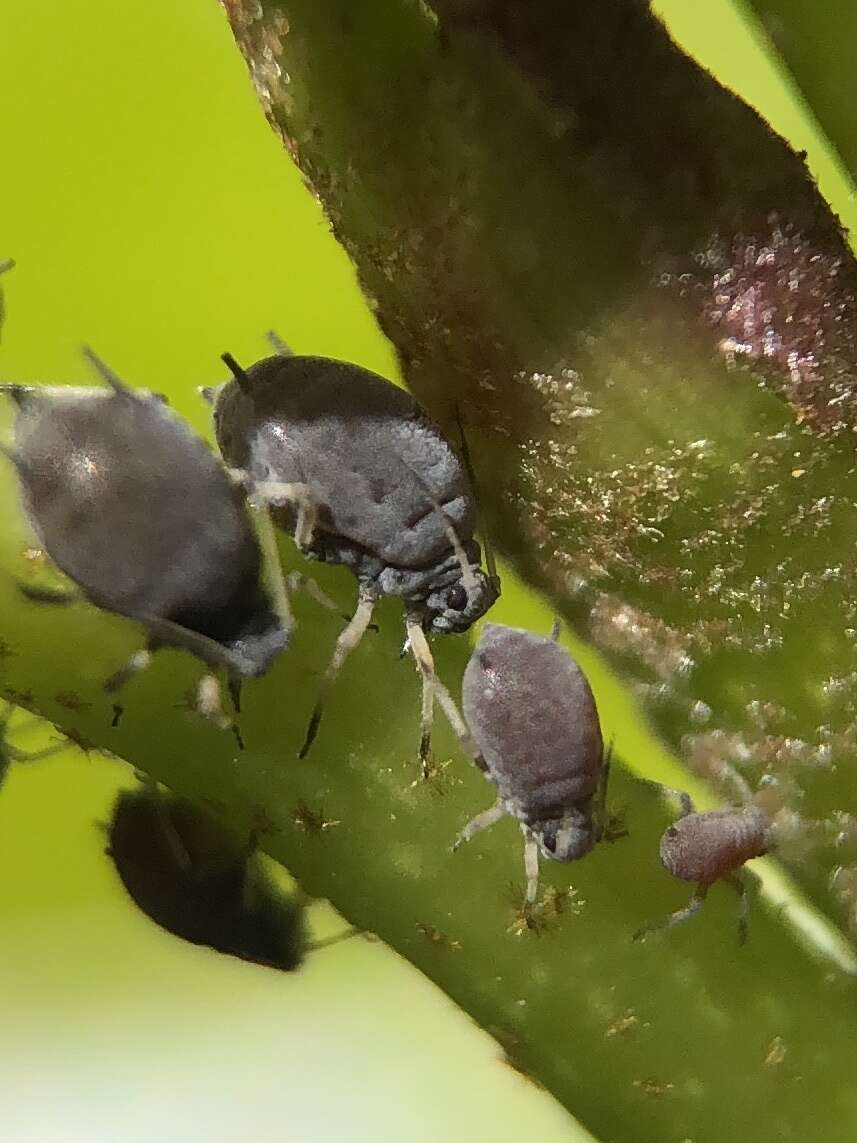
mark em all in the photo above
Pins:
pixel 278 345
pixel 105 372
pixel 490 562
pixel 555 632
pixel 237 371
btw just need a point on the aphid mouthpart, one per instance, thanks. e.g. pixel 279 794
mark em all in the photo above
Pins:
pixel 369 455
pixel 708 847
pixel 136 510
pixel 532 717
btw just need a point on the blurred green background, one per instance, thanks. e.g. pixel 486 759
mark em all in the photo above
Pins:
pixel 140 183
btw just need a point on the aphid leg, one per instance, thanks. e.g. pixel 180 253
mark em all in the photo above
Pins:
pixel 345 644
pixel 208 702
pixel 271 566
pixel 482 821
pixel 106 373
pixel 739 884
pixel 138 662
pixel 531 867
pixel 338 938
pixel 609 826
pixel 297 581
pixel 425 665
pixel 676 918
pixel 233 682
pixel 556 629
pixel 433 689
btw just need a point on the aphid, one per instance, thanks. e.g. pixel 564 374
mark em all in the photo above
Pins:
pixel 137 511
pixel 198 880
pixel 395 504
pixel 532 717
pixel 708 847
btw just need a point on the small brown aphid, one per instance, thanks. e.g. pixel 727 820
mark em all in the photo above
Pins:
pixel 708 847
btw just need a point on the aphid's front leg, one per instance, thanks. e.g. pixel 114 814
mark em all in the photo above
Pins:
pixel 676 918
pixel 433 689
pixel 482 821
pixel 345 644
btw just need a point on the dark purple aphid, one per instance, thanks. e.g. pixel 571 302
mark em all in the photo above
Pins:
pixel 709 847
pixel 138 512
pixel 198 880
pixel 533 719
pixel 393 501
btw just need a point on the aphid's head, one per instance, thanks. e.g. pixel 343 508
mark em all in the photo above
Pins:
pixel 456 606
pixel 567 838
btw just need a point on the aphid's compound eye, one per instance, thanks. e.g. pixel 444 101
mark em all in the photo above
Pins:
pixel 456 598
pixel 549 842
pixel 671 832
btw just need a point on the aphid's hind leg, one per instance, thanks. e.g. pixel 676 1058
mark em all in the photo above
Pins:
pixel 739 884
pixel 676 918
pixel 345 644
pixel 482 821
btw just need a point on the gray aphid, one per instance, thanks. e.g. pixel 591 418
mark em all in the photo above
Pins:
pixel 138 512
pixel 709 847
pixel 394 503
pixel 532 717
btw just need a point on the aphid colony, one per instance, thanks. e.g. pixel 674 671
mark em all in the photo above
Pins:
pixel 147 523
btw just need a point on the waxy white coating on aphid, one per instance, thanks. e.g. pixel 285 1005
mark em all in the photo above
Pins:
pixel 704 847
pixel 532 715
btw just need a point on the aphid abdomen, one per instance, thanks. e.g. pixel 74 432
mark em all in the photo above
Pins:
pixel 357 441
pixel 707 846
pixel 531 712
